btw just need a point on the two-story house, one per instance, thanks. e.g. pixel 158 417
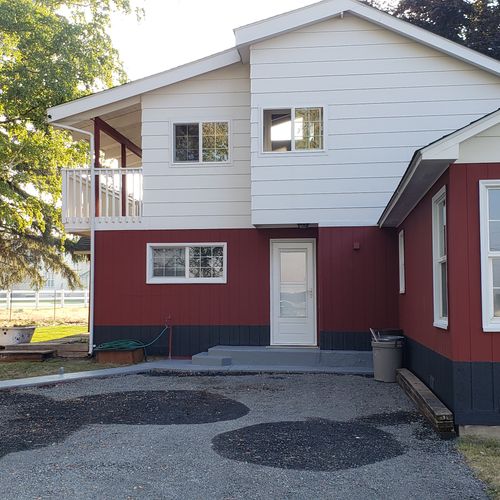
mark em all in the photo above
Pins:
pixel 338 169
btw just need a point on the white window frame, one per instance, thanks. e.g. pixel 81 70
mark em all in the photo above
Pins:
pixel 293 150
pixel 157 280
pixel 490 323
pixel 401 248
pixel 440 321
pixel 200 162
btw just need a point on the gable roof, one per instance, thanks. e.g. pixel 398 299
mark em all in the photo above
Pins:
pixel 261 30
pixel 328 9
pixel 427 165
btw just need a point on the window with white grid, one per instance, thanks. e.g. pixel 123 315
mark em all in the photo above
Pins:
pixel 186 263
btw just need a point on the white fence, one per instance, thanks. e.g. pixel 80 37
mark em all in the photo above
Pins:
pixel 30 299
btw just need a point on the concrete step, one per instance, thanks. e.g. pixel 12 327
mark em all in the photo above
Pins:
pixel 268 356
pixel 347 359
pixel 206 359
pixel 7 355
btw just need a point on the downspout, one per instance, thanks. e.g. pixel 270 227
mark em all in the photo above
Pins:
pixel 92 228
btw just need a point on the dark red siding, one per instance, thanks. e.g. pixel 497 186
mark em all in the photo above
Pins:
pixel 470 343
pixel 416 305
pixel 123 298
pixel 357 269
pixel 356 288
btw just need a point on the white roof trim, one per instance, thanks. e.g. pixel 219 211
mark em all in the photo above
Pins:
pixel 438 155
pixel 262 30
pixel 143 85
pixel 448 146
pixel 327 9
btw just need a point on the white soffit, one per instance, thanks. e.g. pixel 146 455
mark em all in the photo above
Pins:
pixel 427 165
pixel 111 99
pixel 327 9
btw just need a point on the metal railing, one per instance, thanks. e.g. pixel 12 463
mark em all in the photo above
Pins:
pixel 118 195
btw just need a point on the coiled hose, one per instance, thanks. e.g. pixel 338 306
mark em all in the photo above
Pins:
pixel 127 344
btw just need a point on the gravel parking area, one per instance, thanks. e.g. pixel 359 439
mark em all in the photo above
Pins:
pixel 224 437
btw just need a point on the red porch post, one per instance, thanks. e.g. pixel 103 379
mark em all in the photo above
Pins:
pixel 124 181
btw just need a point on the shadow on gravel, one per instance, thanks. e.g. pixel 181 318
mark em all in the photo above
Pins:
pixel 316 445
pixel 38 421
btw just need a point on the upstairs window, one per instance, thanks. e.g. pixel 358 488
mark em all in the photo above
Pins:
pixel 490 253
pixel 293 129
pixel 439 252
pixel 186 263
pixel 204 142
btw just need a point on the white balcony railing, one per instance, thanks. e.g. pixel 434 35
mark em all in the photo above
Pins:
pixel 118 196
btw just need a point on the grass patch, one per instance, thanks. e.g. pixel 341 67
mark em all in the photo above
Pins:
pixel 71 315
pixel 23 369
pixel 46 333
pixel 483 455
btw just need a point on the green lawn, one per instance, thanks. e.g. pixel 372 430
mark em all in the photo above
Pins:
pixel 46 333
pixel 483 455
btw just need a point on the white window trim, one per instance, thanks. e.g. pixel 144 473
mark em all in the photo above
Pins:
pixel 439 321
pixel 199 163
pixel 401 248
pixel 293 152
pixel 490 323
pixel 158 280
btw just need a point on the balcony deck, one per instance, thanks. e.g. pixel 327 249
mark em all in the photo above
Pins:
pixel 118 197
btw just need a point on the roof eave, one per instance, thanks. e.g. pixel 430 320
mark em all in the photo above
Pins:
pixel 134 89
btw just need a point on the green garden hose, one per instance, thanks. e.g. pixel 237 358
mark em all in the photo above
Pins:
pixel 126 344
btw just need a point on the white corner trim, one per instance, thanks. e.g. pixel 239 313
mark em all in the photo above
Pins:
pixel 489 322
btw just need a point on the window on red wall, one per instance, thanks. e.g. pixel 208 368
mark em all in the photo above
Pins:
pixel 489 192
pixel 440 259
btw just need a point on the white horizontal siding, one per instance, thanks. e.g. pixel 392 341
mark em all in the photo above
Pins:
pixel 197 196
pixel 384 96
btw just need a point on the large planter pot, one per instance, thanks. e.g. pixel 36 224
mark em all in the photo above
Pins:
pixel 16 335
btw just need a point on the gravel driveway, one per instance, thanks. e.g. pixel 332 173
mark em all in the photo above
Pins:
pixel 224 437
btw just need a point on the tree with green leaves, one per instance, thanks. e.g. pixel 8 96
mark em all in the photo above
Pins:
pixel 51 51
pixel 474 23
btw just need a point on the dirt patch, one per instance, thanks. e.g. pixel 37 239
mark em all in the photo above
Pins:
pixel 32 421
pixel 316 445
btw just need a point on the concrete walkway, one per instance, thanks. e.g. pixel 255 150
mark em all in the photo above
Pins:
pixel 174 365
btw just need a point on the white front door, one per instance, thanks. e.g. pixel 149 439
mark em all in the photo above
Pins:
pixel 293 293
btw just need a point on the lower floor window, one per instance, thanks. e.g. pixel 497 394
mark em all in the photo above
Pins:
pixel 186 263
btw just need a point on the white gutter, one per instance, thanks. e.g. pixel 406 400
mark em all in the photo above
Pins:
pixel 92 227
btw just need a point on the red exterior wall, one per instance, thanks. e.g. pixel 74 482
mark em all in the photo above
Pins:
pixel 356 288
pixel 416 305
pixel 464 340
pixel 123 297
pixel 470 343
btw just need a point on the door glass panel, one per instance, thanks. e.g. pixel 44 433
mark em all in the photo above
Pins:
pixel 293 284
pixel 293 266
